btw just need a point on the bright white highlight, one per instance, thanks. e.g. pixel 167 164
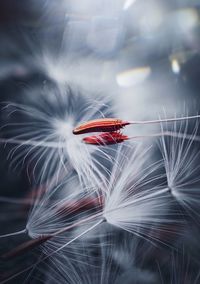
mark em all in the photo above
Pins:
pixel 133 76
pixel 175 66
pixel 128 4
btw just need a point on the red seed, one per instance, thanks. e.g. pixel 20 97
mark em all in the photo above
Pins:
pixel 107 138
pixel 100 125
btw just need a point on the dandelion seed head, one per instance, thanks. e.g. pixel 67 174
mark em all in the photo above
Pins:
pixel 58 205
pixel 63 128
pixel 72 145
pixel 45 139
pixel 131 201
pixel 181 161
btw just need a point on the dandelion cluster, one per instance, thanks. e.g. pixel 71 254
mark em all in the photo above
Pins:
pixel 111 195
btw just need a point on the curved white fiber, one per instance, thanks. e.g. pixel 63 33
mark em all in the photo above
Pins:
pixel 13 234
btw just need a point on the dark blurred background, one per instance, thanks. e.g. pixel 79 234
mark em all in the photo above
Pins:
pixel 144 55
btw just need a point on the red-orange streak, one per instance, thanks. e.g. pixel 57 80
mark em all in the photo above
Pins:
pixel 106 138
pixel 100 125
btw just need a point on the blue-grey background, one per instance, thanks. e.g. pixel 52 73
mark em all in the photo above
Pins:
pixel 144 58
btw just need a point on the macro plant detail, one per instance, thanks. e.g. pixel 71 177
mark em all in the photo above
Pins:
pixel 100 142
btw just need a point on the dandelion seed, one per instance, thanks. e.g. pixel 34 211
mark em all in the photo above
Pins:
pixel 112 126
pixel 117 137
pixel 106 139
pixel 59 206
pixel 100 125
pixel 44 140
pixel 115 124
pixel 181 162
pixel 130 203
pixel 125 202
